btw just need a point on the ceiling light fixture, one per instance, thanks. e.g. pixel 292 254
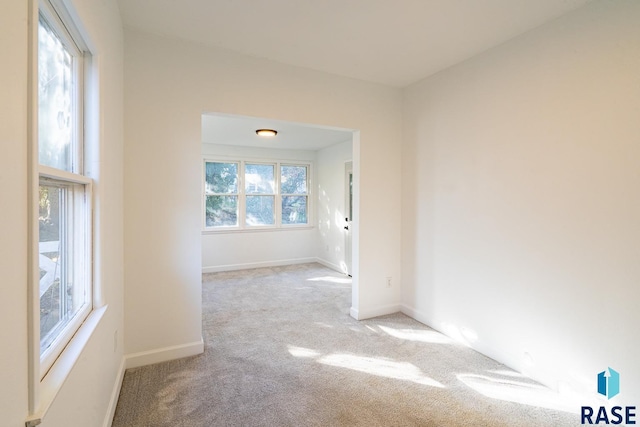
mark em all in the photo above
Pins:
pixel 266 132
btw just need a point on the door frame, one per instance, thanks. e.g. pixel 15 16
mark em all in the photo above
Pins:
pixel 348 213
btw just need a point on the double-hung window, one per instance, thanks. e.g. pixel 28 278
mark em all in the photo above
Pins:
pixel 221 194
pixel 294 190
pixel 260 194
pixel 245 195
pixel 63 194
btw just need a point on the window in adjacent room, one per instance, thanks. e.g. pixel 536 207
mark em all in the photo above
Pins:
pixel 221 194
pixel 260 194
pixel 294 191
pixel 251 195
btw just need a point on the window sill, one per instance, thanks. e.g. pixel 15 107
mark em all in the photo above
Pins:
pixel 258 230
pixel 53 381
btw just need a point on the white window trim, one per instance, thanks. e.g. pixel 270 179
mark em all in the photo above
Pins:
pixel 47 374
pixel 307 195
pixel 237 194
pixel 242 227
pixel 83 269
pixel 243 196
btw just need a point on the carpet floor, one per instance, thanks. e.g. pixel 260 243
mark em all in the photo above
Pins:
pixel 282 350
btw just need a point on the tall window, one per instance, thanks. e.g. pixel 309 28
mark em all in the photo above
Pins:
pixel 64 193
pixel 221 194
pixel 260 193
pixel 250 195
pixel 294 190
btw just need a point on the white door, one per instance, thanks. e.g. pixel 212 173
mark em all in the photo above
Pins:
pixel 348 204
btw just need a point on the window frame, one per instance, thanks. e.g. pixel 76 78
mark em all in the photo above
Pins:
pixel 245 194
pixel 82 221
pixel 54 20
pixel 242 226
pixel 307 195
pixel 49 369
pixel 206 194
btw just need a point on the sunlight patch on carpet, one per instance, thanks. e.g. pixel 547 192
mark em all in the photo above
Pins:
pixel 519 392
pixel 380 367
pixel 418 335
pixel 302 352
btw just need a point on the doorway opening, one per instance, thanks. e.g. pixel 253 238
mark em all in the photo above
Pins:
pixel 325 206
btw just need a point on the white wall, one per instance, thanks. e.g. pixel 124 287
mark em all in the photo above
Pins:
pixel 330 199
pixel 250 249
pixel 85 396
pixel 325 242
pixel 13 215
pixel 521 201
pixel 168 85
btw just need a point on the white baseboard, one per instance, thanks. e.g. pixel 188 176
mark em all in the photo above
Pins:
pixel 249 265
pixel 330 265
pixel 164 354
pixel 454 333
pixel 115 394
pixel 277 263
pixel 417 315
pixel 479 346
pixel 369 313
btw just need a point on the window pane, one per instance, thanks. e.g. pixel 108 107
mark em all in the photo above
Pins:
pixel 259 179
pixel 293 179
pixel 56 117
pixel 221 178
pixel 222 211
pixel 260 210
pixel 294 209
pixel 62 290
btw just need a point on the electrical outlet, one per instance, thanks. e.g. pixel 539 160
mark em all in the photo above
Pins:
pixel 389 282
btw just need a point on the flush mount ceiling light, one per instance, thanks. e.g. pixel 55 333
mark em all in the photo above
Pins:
pixel 266 132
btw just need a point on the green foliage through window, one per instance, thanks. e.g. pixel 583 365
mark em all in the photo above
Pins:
pixel 252 203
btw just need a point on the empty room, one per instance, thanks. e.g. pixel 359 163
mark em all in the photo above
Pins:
pixel 442 227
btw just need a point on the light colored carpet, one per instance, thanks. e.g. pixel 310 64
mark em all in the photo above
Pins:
pixel 281 350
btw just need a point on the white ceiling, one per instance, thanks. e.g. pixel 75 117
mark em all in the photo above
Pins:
pixel 241 131
pixel 393 42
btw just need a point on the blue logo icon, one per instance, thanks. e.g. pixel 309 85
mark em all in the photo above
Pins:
pixel 609 383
